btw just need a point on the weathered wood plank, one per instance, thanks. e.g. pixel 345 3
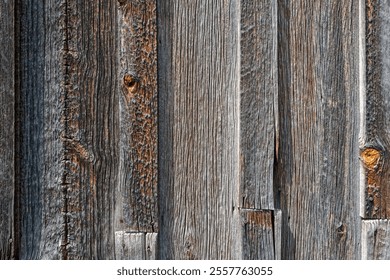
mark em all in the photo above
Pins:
pixel 7 130
pixel 40 107
pixel 375 144
pixel 91 136
pixel 258 102
pixel 376 240
pixel 69 129
pixel 318 165
pixel 137 190
pixel 135 245
pixel 198 128
pixel 260 236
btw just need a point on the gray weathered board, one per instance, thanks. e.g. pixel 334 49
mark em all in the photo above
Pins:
pixel 220 129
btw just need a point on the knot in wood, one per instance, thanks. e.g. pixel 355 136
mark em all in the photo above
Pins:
pixel 131 82
pixel 371 158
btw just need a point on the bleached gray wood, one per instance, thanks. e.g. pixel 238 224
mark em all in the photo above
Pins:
pixel 277 230
pixel 198 128
pixel 7 129
pixel 258 102
pixel 135 245
pixel 129 245
pixel 136 201
pixel 376 143
pixel 317 172
pixel 151 246
pixel 376 240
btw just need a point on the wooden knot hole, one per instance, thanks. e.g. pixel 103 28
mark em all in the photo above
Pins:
pixel 371 158
pixel 122 2
pixel 131 82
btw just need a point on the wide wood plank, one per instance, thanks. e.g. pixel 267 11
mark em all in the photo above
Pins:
pixel 7 130
pixel 375 140
pixel 317 171
pixel 136 201
pixel 198 128
pixel 69 129
pixel 376 240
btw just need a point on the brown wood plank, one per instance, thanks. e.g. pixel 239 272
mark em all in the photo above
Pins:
pixel 375 143
pixel 7 130
pixel 376 240
pixel 136 201
pixel 317 170
pixel 91 136
pixel 198 128
pixel 258 102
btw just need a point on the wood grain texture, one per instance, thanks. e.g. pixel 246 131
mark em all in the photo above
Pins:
pixel 198 128
pixel 376 240
pixel 317 171
pixel 376 143
pixel 135 245
pixel 136 202
pixel 258 102
pixel 39 111
pixel 7 130
pixel 69 131
pixel 91 135
pixel 260 236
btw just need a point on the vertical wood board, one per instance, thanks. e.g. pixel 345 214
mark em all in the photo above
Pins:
pixel 258 102
pixel 376 240
pixel 376 141
pixel 7 125
pixel 198 128
pixel 137 190
pixel 318 167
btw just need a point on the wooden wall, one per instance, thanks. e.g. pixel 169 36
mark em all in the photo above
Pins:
pixel 220 129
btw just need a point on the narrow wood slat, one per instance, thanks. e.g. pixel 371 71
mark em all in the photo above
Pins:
pixel 198 128
pixel 317 171
pixel 258 102
pixel 375 142
pixel 376 240
pixel 7 130
pixel 137 189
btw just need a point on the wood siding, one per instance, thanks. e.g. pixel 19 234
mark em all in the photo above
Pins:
pixel 220 129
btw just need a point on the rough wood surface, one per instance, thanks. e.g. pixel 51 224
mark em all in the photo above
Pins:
pixel 135 245
pixel 260 236
pixel 317 171
pixel 137 190
pixel 258 102
pixel 91 135
pixel 39 114
pixel 198 128
pixel 7 124
pixel 376 240
pixel 69 135
pixel 375 146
